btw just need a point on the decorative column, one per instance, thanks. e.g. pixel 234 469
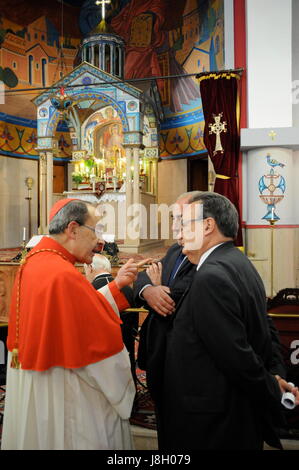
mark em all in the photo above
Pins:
pixel 49 183
pixel 100 57
pixel 128 151
pixel 112 59
pixel 152 155
pixel 42 192
pixel 155 176
pixel 91 59
pixel 128 177
pixel 45 189
pixel 121 55
pixel 136 192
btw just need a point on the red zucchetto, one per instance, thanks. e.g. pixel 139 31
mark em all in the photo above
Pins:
pixel 59 205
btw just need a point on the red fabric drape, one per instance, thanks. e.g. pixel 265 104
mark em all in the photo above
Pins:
pixel 220 95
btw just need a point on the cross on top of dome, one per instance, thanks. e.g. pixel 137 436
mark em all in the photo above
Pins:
pixel 103 3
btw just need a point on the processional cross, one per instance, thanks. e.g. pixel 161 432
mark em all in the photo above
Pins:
pixel 103 3
pixel 217 128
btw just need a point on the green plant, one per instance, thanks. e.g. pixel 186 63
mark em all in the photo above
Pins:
pixel 77 178
pixel 89 163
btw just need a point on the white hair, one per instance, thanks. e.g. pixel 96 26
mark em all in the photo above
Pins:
pixel 101 262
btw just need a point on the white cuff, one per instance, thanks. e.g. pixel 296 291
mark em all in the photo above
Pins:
pixel 144 287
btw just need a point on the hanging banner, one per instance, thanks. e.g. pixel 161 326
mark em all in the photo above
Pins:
pixel 221 109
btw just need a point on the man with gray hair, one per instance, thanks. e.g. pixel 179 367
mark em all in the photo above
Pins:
pixel 101 264
pixel 69 383
pixel 219 392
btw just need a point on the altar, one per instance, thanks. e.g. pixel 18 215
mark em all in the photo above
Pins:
pixel 95 197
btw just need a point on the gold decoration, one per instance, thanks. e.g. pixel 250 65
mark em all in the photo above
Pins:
pixel 272 134
pixel 216 76
pixel 217 128
pixel 15 363
pixel 102 27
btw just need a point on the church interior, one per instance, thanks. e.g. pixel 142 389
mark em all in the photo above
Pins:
pixel 103 101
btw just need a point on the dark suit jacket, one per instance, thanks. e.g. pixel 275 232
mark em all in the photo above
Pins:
pixel 218 393
pixel 130 320
pixel 152 344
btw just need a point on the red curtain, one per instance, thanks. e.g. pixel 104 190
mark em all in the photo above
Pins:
pixel 220 103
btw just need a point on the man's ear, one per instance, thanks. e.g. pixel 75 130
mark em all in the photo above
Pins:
pixel 72 230
pixel 209 225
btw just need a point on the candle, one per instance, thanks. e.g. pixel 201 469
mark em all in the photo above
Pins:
pixel 24 234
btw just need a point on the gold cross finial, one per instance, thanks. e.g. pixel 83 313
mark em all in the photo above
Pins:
pixel 272 134
pixel 103 3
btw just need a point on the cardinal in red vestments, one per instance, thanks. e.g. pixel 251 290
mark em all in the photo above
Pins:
pixel 69 384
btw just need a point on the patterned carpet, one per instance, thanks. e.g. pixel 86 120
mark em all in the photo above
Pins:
pixel 143 413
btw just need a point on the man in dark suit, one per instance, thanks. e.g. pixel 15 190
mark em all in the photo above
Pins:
pixel 159 296
pixel 218 391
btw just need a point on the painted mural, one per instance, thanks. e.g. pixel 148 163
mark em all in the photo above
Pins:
pixel 33 54
pixel 272 187
pixel 166 38
pixel 18 137
pixel 163 38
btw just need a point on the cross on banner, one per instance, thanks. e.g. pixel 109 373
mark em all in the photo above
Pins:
pixel 103 3
pixel 217 128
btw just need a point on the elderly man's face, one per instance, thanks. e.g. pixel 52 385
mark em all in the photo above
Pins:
pixel 88 238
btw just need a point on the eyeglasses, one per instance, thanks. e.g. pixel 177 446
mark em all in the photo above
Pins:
pixel 187 222
pixel 98 229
